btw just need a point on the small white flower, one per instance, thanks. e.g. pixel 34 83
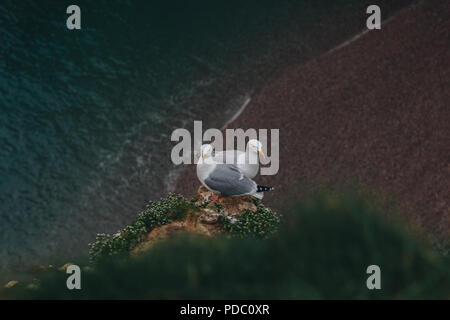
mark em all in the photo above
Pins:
pixel 232 219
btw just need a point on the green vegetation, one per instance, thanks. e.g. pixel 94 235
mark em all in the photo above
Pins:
pixel 170 209
pixel 325 244
pixel 262 223
pixel 204 204
pixel 219 207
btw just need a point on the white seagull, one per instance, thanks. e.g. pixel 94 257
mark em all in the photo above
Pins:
pixel 225 179
pixel 247 162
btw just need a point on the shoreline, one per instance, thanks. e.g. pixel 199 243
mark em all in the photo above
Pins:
pixel 371 110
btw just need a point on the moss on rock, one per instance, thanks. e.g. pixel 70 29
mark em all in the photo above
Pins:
pixel 172 208
pixel 236 216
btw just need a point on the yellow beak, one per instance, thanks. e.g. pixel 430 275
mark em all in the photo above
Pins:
pixel 261 154
pixel 203 156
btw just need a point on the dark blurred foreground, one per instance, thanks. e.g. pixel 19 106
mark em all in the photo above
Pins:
pixel 325 246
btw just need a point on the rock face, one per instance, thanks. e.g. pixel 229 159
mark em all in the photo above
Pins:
pixel 232 206
pixel 205 221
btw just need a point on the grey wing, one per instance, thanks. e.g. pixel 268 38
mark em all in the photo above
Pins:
pixel 230 181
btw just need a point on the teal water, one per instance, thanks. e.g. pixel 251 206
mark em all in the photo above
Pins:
pixel 86 116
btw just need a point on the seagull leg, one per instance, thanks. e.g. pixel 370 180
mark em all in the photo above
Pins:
pixel 214 197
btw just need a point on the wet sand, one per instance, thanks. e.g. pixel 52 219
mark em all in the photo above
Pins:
pixel 374 110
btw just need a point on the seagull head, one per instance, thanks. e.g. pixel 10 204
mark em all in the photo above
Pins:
pixel 256 147
pixel 206 150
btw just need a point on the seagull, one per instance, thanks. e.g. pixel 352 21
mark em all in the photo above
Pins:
pixel 225 179
pixel 247 162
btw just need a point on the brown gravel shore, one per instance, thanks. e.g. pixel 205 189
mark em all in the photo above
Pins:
pixel 375 111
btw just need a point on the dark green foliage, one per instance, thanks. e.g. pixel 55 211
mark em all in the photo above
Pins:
pixel 204 204
pixel 262 223
pixel 219 207
pixel 194 198
pixel 322 251
pixel 172 208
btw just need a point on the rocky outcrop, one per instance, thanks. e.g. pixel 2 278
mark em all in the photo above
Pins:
pixel 205 221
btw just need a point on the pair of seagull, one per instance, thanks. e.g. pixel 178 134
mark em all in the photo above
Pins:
pixel 230 173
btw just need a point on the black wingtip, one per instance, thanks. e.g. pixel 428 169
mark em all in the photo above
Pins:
pixel 265 188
